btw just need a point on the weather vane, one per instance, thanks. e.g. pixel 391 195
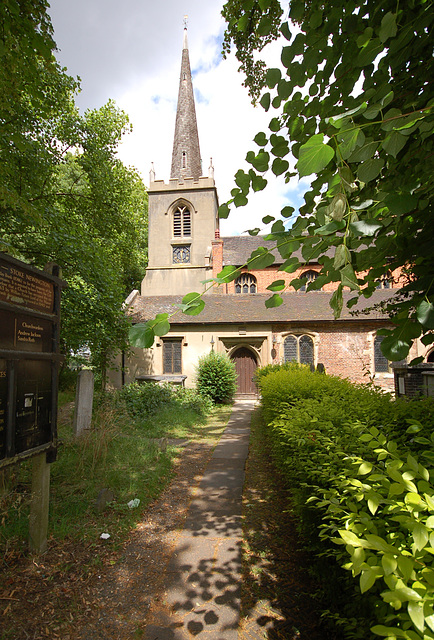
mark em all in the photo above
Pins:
pixel 185 21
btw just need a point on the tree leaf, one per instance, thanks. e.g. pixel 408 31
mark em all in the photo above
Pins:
pixel 394 348
pixel 420 536
pixel 342 256
pixel 388 27
pixel 415 611
pixel 389 563
pixel 274 301
pixel 162 325
pixel 277 285
pixel 287 212
pixel 394 142
pixel 370 169
pixel 228 273
pixel 314 155
pixel 425 314
pixel 224 210
pixel 348 277
pixel 279 166
pixel 364 468
pixel 367 579
pixel 141 335
pixel 261 258
pixel 194 304
pixel 260 161
pixel 365 227
pixel 336 301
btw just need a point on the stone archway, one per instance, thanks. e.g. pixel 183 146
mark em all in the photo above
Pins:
pixel 245 366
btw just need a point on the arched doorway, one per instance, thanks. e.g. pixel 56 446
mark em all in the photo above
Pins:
pixel 245 366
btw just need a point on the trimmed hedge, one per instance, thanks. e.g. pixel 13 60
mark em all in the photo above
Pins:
pixel 360 468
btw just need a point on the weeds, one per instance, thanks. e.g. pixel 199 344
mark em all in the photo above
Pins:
pixel 122 452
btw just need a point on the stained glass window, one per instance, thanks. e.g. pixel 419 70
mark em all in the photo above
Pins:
pixel 245 283
pixel 381 363
pixel 308 276
pixel 172 356
pixel 298 348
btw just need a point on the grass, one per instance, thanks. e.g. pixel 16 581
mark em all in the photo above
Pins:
pixel 133 458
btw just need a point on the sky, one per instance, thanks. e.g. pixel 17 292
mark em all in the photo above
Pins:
pixel 130 51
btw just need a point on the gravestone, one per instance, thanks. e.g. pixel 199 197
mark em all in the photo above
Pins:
pixel 83 401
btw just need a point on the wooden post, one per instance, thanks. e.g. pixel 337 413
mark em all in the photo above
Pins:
pixel 38 522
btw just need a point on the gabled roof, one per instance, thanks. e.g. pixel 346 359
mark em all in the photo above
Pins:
pixel 245 309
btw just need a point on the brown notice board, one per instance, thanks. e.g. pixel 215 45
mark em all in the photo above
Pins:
pixel 29 359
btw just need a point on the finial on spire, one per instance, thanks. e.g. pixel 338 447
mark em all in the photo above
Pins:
pixel 152 173
pixel 211 169
pixel 185 21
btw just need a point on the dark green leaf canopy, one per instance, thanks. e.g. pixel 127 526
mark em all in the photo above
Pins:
pixel 353 104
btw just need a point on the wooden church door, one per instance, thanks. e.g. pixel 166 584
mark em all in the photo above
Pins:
pixel 245 366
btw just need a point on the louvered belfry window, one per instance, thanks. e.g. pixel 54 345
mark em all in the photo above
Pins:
pixel 172 359
pixel 181 222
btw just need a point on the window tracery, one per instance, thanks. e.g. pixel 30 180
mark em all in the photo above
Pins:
pixel 245 283
pixel 299 349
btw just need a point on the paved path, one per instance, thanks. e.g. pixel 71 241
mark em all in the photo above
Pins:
pixel 203 577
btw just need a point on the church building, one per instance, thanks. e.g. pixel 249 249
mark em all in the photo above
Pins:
pixel 186 249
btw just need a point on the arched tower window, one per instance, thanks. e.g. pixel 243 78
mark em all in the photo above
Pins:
pixel 298 348
pixel 245 283
pixel 308 276
pixel 182 222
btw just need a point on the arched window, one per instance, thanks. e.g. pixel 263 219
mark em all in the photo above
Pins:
pixel 430 357
pixel 308 276
pixel 181 222
pixel 385 282
pixel 298 348
pixel 245 283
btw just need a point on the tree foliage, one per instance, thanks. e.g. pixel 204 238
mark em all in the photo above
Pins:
pixel 64 195
pixel 353 105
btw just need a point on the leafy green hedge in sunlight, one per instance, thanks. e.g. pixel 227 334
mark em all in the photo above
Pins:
pixel 359 467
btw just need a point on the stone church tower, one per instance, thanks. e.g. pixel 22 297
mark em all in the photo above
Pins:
pixel 183 217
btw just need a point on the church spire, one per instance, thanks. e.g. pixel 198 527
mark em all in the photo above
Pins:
pixel 186 160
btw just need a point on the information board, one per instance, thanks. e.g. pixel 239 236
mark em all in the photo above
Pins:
pixel 18 286
pixel 29 359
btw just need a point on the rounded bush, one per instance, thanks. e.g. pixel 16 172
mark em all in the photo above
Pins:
pixel 216 377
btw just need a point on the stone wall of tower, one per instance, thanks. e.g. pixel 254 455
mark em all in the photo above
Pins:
pixel 163 276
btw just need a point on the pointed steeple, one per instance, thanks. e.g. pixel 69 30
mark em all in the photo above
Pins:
pixel 186 160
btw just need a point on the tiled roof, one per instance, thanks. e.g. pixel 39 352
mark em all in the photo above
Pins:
pixel 226 309
pixel 237 249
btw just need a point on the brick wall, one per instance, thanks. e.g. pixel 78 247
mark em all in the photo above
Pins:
pixel 265 277
pixel 345 349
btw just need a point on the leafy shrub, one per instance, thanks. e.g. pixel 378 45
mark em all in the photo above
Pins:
pixel 216 377
pixel 144 400
pixel 360 468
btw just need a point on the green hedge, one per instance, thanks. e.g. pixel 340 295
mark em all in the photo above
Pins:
pixel 359 467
